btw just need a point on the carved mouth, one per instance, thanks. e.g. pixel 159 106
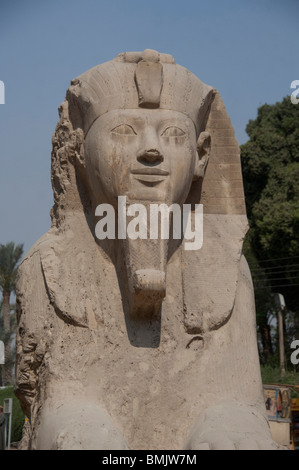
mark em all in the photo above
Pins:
pixel 150 180
pixel 150 175
pixel 150 171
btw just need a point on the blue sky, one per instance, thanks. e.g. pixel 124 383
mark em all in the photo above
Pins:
pixel 247 49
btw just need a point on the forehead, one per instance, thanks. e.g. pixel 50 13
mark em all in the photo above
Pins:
pixel 143 117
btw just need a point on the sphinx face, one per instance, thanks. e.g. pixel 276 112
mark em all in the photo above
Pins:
pixel 143 154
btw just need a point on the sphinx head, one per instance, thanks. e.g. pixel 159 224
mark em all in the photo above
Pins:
pixel 142 116
pixel 143 119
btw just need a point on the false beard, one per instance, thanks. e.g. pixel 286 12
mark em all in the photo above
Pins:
pixel 145 264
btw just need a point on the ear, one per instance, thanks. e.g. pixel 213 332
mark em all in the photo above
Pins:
pixel 203 153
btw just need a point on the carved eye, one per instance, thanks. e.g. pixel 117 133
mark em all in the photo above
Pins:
pixel 173 131
pixel 124 129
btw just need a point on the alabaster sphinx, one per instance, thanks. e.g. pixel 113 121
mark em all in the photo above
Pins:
pixel 141 344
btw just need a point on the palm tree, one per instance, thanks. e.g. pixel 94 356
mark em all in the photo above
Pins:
pixel 10 256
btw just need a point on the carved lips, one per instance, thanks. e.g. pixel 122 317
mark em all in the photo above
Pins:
pixel 150 174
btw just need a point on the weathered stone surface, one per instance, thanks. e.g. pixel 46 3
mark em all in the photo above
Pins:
pixel 140 344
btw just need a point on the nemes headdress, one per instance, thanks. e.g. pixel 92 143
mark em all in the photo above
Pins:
pixel 138 79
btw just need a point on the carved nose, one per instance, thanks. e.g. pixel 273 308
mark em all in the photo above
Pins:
pixel 150 157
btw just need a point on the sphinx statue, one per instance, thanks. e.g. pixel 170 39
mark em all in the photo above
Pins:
pixel 140 343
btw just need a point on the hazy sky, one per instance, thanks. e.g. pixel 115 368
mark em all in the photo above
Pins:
pixel 247 49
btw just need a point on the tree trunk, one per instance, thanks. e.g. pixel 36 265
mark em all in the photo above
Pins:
pixel 267 342
pixel 7 332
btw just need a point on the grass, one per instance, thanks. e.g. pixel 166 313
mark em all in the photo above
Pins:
pixel 271 375
pixel 17 413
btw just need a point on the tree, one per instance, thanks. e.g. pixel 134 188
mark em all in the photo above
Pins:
pixel 270 163
pixel 10 256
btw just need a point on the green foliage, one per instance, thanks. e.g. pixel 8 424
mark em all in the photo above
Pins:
pixel 270 163
pixel 18 416
pixel 13 322
pixel 10 256
pixel 276 213
pixel 271 375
